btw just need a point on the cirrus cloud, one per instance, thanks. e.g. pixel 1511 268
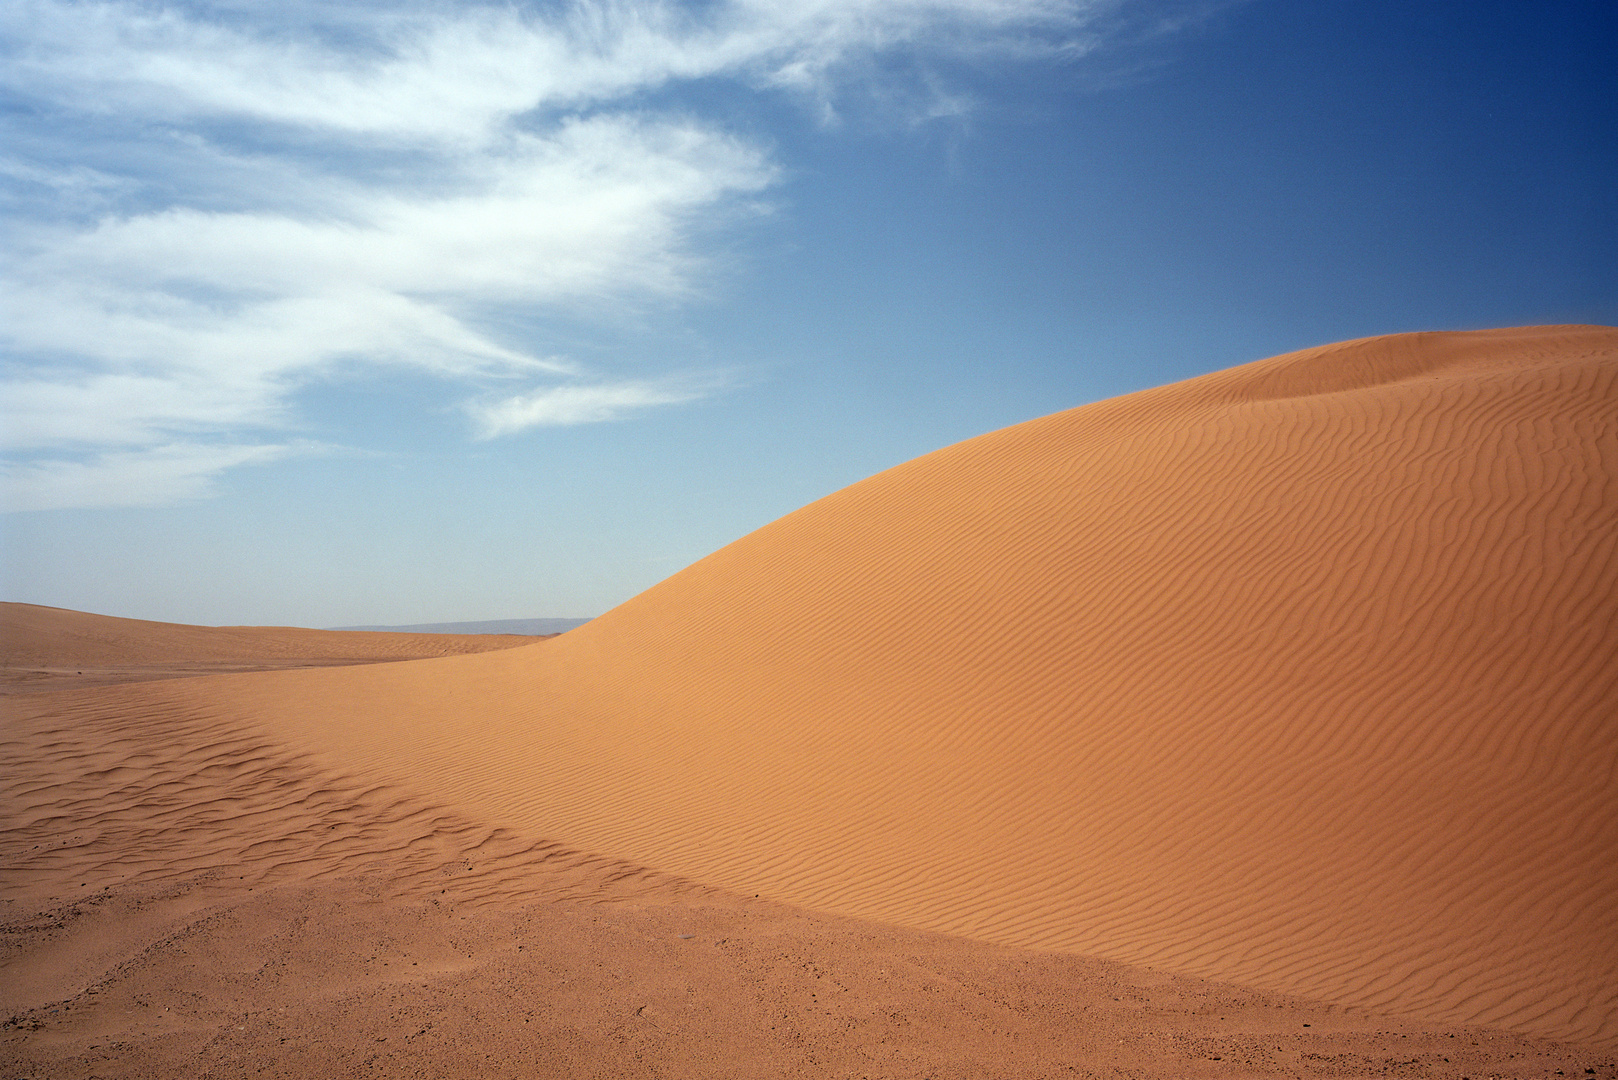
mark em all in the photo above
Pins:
pixel 562 406
pixel 214 207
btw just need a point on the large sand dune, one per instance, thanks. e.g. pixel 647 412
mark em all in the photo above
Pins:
pixel 1301 675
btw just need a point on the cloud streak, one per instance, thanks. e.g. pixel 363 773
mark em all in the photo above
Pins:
pixel 459 73
pixel 214 208
pixel 561 406
pixel 150 476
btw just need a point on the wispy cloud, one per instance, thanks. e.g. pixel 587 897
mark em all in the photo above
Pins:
pixel 559 406
pixel 213 206
pixel 150 476
pixel 458 73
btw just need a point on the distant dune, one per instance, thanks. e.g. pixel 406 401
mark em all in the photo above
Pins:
pixel 1300 675
pixel 54 648
pixel 528 627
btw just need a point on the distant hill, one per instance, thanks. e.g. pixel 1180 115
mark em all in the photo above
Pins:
pixel 487 626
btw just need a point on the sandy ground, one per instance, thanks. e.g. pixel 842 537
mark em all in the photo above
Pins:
pixel 182 900
pixel 1262 724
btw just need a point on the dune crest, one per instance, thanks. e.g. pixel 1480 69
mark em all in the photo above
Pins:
pixel 1300 675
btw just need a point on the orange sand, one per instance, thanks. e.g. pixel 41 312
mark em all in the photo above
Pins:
pixel 1299 676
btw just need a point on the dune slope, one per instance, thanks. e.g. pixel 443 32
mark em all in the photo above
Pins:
pixel 1300 674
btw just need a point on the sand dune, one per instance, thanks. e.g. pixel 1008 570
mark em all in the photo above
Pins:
pixel 46 648
pixel 528 627
pixel 1299 675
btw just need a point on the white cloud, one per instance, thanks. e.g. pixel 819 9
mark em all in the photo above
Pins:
pixel 459 73
pixel 559 406
pixel 250 199
pixel 183 319
pixel 152 476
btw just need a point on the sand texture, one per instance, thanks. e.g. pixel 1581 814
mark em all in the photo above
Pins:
pixel 1300 677
pixel 46 648
pixel 183 899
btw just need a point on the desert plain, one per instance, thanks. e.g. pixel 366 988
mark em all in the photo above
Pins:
pixel 1263 724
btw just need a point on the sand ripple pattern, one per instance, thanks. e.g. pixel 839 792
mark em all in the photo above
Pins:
pixel 1302 674
pixel 103 790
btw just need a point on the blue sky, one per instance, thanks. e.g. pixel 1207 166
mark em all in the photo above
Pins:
pixel 331 314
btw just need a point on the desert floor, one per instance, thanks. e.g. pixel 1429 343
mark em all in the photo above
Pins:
pixel 182 900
